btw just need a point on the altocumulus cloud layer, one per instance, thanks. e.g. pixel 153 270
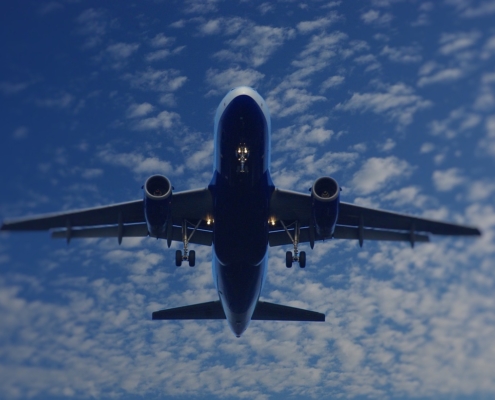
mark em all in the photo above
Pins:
pixel 395 99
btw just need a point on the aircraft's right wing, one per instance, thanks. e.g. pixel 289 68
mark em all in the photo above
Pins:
pixel 356 222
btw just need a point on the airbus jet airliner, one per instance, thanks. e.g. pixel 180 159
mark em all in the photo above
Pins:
pixel 240 214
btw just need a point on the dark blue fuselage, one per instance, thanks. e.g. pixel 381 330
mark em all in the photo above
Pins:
pixel 241 189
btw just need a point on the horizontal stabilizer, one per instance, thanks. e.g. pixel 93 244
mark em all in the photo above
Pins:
pixel 210 310
pixel 264 312
pixel 274 312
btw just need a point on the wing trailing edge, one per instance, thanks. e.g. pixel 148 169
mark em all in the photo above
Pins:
pixel 264 311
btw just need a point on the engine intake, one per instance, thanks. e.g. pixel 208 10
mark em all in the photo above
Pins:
pixel 157 204
pixel 325 195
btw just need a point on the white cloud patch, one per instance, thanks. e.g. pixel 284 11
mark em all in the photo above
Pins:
pixel 488 142
pixel 92 23
pixel 166 120
pixel 469 8
pixel 451 43
pixel 20 133
pixel 139 110
pixel 306 27
pixel 404 54
pixel 376 17
pixel 200 6
pixel 166 80
pixel 447 180
pixel 397 102
pixel 255 44
pixel 376 173
pixel 230 78
pixel 61 100
pixel 120 51
pixel 160 40
pixel 442 76
pixel 138 163
pixel 458 121
pixel 8 88
pixel 331 82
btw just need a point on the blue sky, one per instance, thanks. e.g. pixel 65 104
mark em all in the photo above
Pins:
pixel 393 98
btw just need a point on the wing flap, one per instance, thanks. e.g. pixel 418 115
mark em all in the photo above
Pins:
pixel 280 238
pixel 265 311
pixel 201 237
pixel 351 215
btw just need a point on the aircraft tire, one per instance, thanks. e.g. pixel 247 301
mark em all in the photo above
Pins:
pixel 302 259
pixel 178 258
pixel 288 259
pixel 192 258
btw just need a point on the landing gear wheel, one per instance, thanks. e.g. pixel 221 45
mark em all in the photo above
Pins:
pixel 302 259
pixel 288 259
pixel 192 258
pixel 178 258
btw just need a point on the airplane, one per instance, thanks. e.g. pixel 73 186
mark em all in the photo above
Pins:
pixel 240 214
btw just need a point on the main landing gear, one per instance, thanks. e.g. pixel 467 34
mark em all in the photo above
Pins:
pixel 186 255
pixel 294 256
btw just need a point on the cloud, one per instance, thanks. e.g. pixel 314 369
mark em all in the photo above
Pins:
pixel 376 173
pixel 376 17
pixel 397 102
pixel 120 51
pixel 443 76
pixel 255 44
pixel 92 24
pixel 200 6
pixel 62 100
pixel 20 133
pixel 447 180
pixel 139 110
pixel 284 100
pixel 306 27
pixel 166 120
pixel 166 80
pixel 160 40
pixel 8 88
pixel 404 54
pixel 230 78
pixel 455 42
pixel 467 9
pixel 137 162
pixel 331 82
pixel 487 144
pixel 458 121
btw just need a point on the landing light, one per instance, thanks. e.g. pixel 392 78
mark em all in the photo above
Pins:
pixel 272 221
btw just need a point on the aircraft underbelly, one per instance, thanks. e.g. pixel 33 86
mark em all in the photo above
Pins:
pixel 241 190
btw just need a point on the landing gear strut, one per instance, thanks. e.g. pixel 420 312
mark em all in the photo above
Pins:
pixel 294 256
pixel 186 255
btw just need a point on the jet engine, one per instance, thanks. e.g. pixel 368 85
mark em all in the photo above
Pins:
pixel 325 195
pixel 157 204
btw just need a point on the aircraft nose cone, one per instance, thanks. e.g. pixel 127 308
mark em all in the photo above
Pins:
pixel 238 327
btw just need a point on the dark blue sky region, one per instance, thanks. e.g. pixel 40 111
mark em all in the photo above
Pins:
pixel 395 99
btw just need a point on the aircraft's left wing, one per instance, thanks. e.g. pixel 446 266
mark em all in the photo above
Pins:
pixel 121 219
pixel 355 222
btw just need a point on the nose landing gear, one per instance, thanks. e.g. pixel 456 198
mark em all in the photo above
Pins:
pixel 242 153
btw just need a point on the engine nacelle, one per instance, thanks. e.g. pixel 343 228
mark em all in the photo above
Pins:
pixel 325 195
pixel 157 204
